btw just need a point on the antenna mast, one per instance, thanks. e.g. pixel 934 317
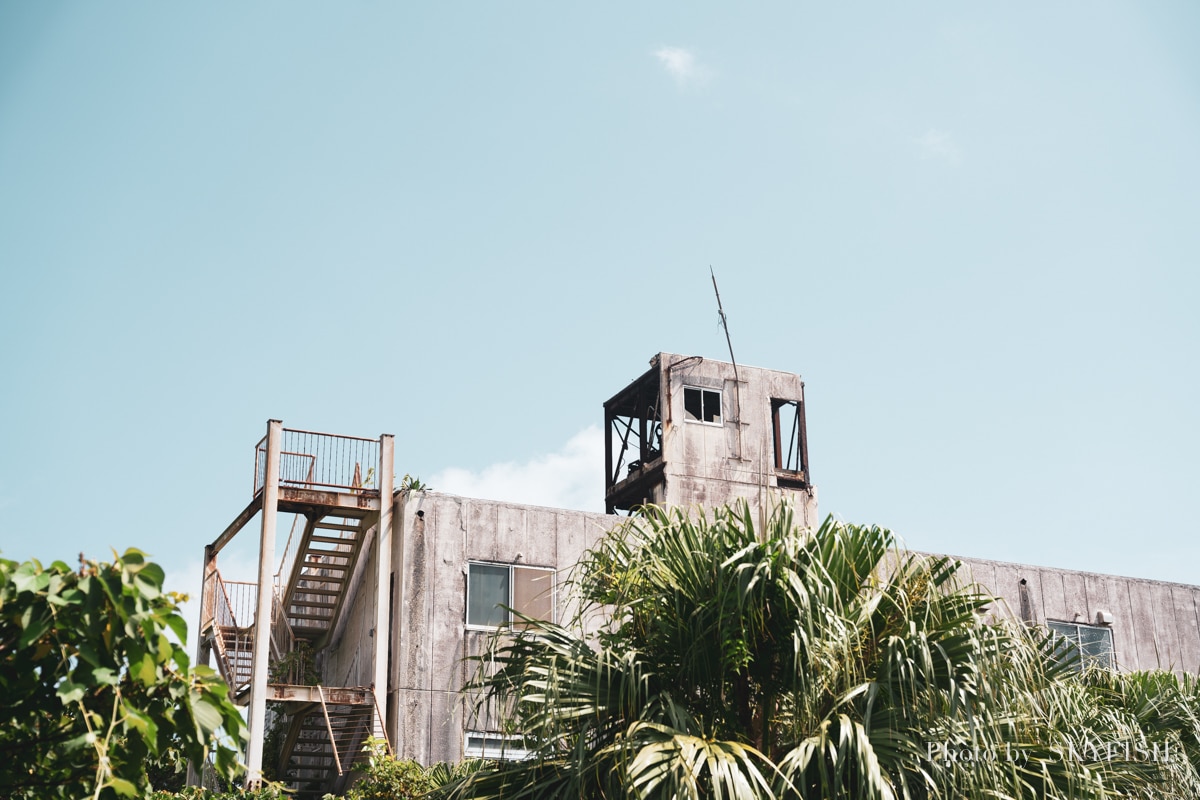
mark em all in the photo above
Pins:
pixel 737 382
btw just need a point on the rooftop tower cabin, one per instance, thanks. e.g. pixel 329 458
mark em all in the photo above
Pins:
pixel 695 432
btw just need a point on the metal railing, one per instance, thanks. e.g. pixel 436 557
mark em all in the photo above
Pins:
pixel 320 460
pixel 229 604
pixel 227 612
pixel 230 608
pixel 237 603
pixel 283 641
pixel 284 573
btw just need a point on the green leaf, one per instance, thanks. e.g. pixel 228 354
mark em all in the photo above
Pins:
pixel 87 651
pixel 34 630
pixel 122 787
pixel 145 670
pixel 204 712
pixel 105 676
pixel 132 556
pixel 152 574
pixel 178 626
pixel 85 739
pixel 143 723
pixel 30 578
pixel 70 692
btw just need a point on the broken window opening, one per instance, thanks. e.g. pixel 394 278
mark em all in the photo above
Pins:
pixel 702 405
pixel 791 453
pixel 633 442
pixel 637 441
pixel 494 589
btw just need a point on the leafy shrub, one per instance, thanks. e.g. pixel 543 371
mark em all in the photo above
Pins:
pixel 92 688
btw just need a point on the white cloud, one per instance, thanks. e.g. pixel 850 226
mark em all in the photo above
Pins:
pixel 940 145
pixel 572 477
pixel 681 64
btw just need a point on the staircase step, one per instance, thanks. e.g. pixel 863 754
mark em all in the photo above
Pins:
pixel 352 541
pixel 317 591
pixel 338 526
pixel 310 572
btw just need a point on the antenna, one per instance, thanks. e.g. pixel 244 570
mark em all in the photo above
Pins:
pixel 737 382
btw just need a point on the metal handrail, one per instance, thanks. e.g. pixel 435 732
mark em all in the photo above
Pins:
pixel 283 640
pixel 333 461
pixel 330 435
pixel 283 575
pixel 226 607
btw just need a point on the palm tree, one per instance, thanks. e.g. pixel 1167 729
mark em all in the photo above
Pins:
pixel 792 664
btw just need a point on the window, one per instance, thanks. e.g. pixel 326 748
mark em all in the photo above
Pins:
pixel 494 588
pixel 702 405
pixel 791 450
pixel 1083 645
pixel 494 746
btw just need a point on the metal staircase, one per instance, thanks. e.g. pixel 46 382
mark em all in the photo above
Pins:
pixel 318 479
pixel 327 737
pixel 231 638
pixel 235 648
pixel 316 590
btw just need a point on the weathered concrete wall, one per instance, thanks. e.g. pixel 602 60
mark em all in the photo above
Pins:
pixel 1156 625
pixel 710 465
pixel 437 536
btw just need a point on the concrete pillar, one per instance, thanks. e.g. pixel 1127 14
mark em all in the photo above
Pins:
pixel 262 619
pixel 383 569
pixel 399 619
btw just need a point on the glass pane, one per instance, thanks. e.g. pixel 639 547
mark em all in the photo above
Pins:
pixel 487 590
pixel 693 403
pixel 1096 645
pixel 1066 642
pixel 495 746
pixel 533 592
pixel 712 407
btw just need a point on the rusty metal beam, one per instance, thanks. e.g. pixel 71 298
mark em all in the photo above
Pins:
pixel 238 523
pixel 359 504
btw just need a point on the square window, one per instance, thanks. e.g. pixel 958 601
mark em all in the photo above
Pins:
pixel 492 589
pixel 702 405
pixel 1083 645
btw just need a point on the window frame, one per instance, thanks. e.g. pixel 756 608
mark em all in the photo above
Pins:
pixel 510 603
pixel 499 751
pixel 704 391
pixel 1080 658
pixel 794 478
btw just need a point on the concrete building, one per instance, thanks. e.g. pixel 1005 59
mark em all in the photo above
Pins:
pixel 382 592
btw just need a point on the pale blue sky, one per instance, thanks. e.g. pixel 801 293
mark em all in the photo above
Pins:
pixel 972 228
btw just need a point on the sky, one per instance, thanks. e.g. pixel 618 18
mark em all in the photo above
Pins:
pixel 972 229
